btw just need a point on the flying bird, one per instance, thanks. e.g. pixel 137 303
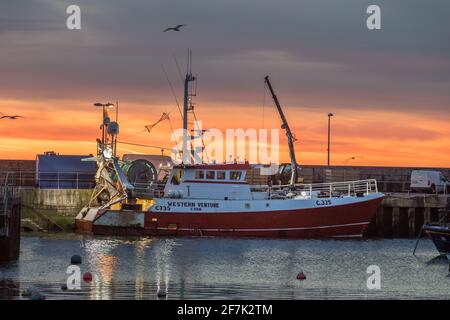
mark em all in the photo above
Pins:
pixel 177 28
pixel 9 117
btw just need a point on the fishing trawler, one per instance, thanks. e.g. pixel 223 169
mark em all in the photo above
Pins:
pixel 211 199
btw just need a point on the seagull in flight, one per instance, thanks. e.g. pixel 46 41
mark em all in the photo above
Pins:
pixel 177 28
pixel 9 117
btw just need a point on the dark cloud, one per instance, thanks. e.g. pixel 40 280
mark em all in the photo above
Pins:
pixel 319 52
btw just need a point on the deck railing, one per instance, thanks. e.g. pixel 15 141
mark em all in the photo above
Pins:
pixel 323 190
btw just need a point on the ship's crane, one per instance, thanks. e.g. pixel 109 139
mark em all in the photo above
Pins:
pixel 289 134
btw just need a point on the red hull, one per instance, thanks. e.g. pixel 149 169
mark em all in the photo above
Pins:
pixel 336 221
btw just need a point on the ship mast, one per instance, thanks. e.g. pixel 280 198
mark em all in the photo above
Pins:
pixel 289 134
pixel 187 106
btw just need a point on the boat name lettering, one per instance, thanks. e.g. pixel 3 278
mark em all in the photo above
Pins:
pixel 193 204
pixel 323 202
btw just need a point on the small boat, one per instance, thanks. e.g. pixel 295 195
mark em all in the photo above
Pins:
pixel 440 235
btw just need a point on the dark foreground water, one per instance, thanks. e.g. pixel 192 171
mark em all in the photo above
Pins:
pixel 213 268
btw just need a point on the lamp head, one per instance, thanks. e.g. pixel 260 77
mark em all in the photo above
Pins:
pixel 109 104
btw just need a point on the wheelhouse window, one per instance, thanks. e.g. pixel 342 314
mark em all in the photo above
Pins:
pixel 199 174
pixel 220 175
pixel 210 175
pixel 177 176
pixel 235 175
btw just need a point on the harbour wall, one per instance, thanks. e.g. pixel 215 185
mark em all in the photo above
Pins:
pixel 9 229
pixel 402 215
pixel 389 179
pixel 53 209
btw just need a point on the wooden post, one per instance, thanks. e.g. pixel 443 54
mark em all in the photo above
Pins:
pixel 442 215
pixel 403 223
pixel 434 215
pixel 395 222
pixel 10 241
pixel 411 222
pixel 427 215
pixel 380 222
pixel 388 221
pixel 419 219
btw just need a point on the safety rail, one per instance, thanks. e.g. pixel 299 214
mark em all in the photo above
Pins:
pixel 154 190
pixel 323 190
pixel 320 190
pixel 50 180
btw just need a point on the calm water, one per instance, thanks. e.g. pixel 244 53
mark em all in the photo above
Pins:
pixel 213 268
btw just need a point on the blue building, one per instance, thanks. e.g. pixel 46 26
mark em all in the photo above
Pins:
pixel 55 171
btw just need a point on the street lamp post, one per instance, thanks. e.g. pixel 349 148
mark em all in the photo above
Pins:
pixel 329 134
pixel 104 122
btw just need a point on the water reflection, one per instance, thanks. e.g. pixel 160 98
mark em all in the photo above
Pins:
pixel 100 258
pixel 9 288
pixel 163 257
pixel 140 247
pixel 210 268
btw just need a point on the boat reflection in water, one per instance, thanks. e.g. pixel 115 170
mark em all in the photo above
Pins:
pixel 163 258
pixel 221 268
pixel 139 253
pixel 100 258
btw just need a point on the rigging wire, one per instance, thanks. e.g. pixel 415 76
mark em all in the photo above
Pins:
pixel 201 136
pixel 134 134
pixel 178 67
pixel 172 90
pixel 171 129
pixel 143 145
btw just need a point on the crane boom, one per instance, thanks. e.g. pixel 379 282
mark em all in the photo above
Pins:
pixel 289 134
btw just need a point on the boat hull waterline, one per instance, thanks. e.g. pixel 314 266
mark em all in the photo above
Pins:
pixel 318 218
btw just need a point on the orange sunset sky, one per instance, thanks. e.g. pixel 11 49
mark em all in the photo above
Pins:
pixel 389 89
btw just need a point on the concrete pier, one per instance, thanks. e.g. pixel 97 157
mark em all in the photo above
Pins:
pixel 401 215
pixel 52 209
pixel 9 229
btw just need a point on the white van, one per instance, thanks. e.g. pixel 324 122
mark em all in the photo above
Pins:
pixel 429 181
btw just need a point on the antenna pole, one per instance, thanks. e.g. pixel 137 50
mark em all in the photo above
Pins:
pixel 289 134
pixel 186 133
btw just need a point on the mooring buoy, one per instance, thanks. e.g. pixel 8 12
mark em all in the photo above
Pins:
pixel 87 277
pixel 76 259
